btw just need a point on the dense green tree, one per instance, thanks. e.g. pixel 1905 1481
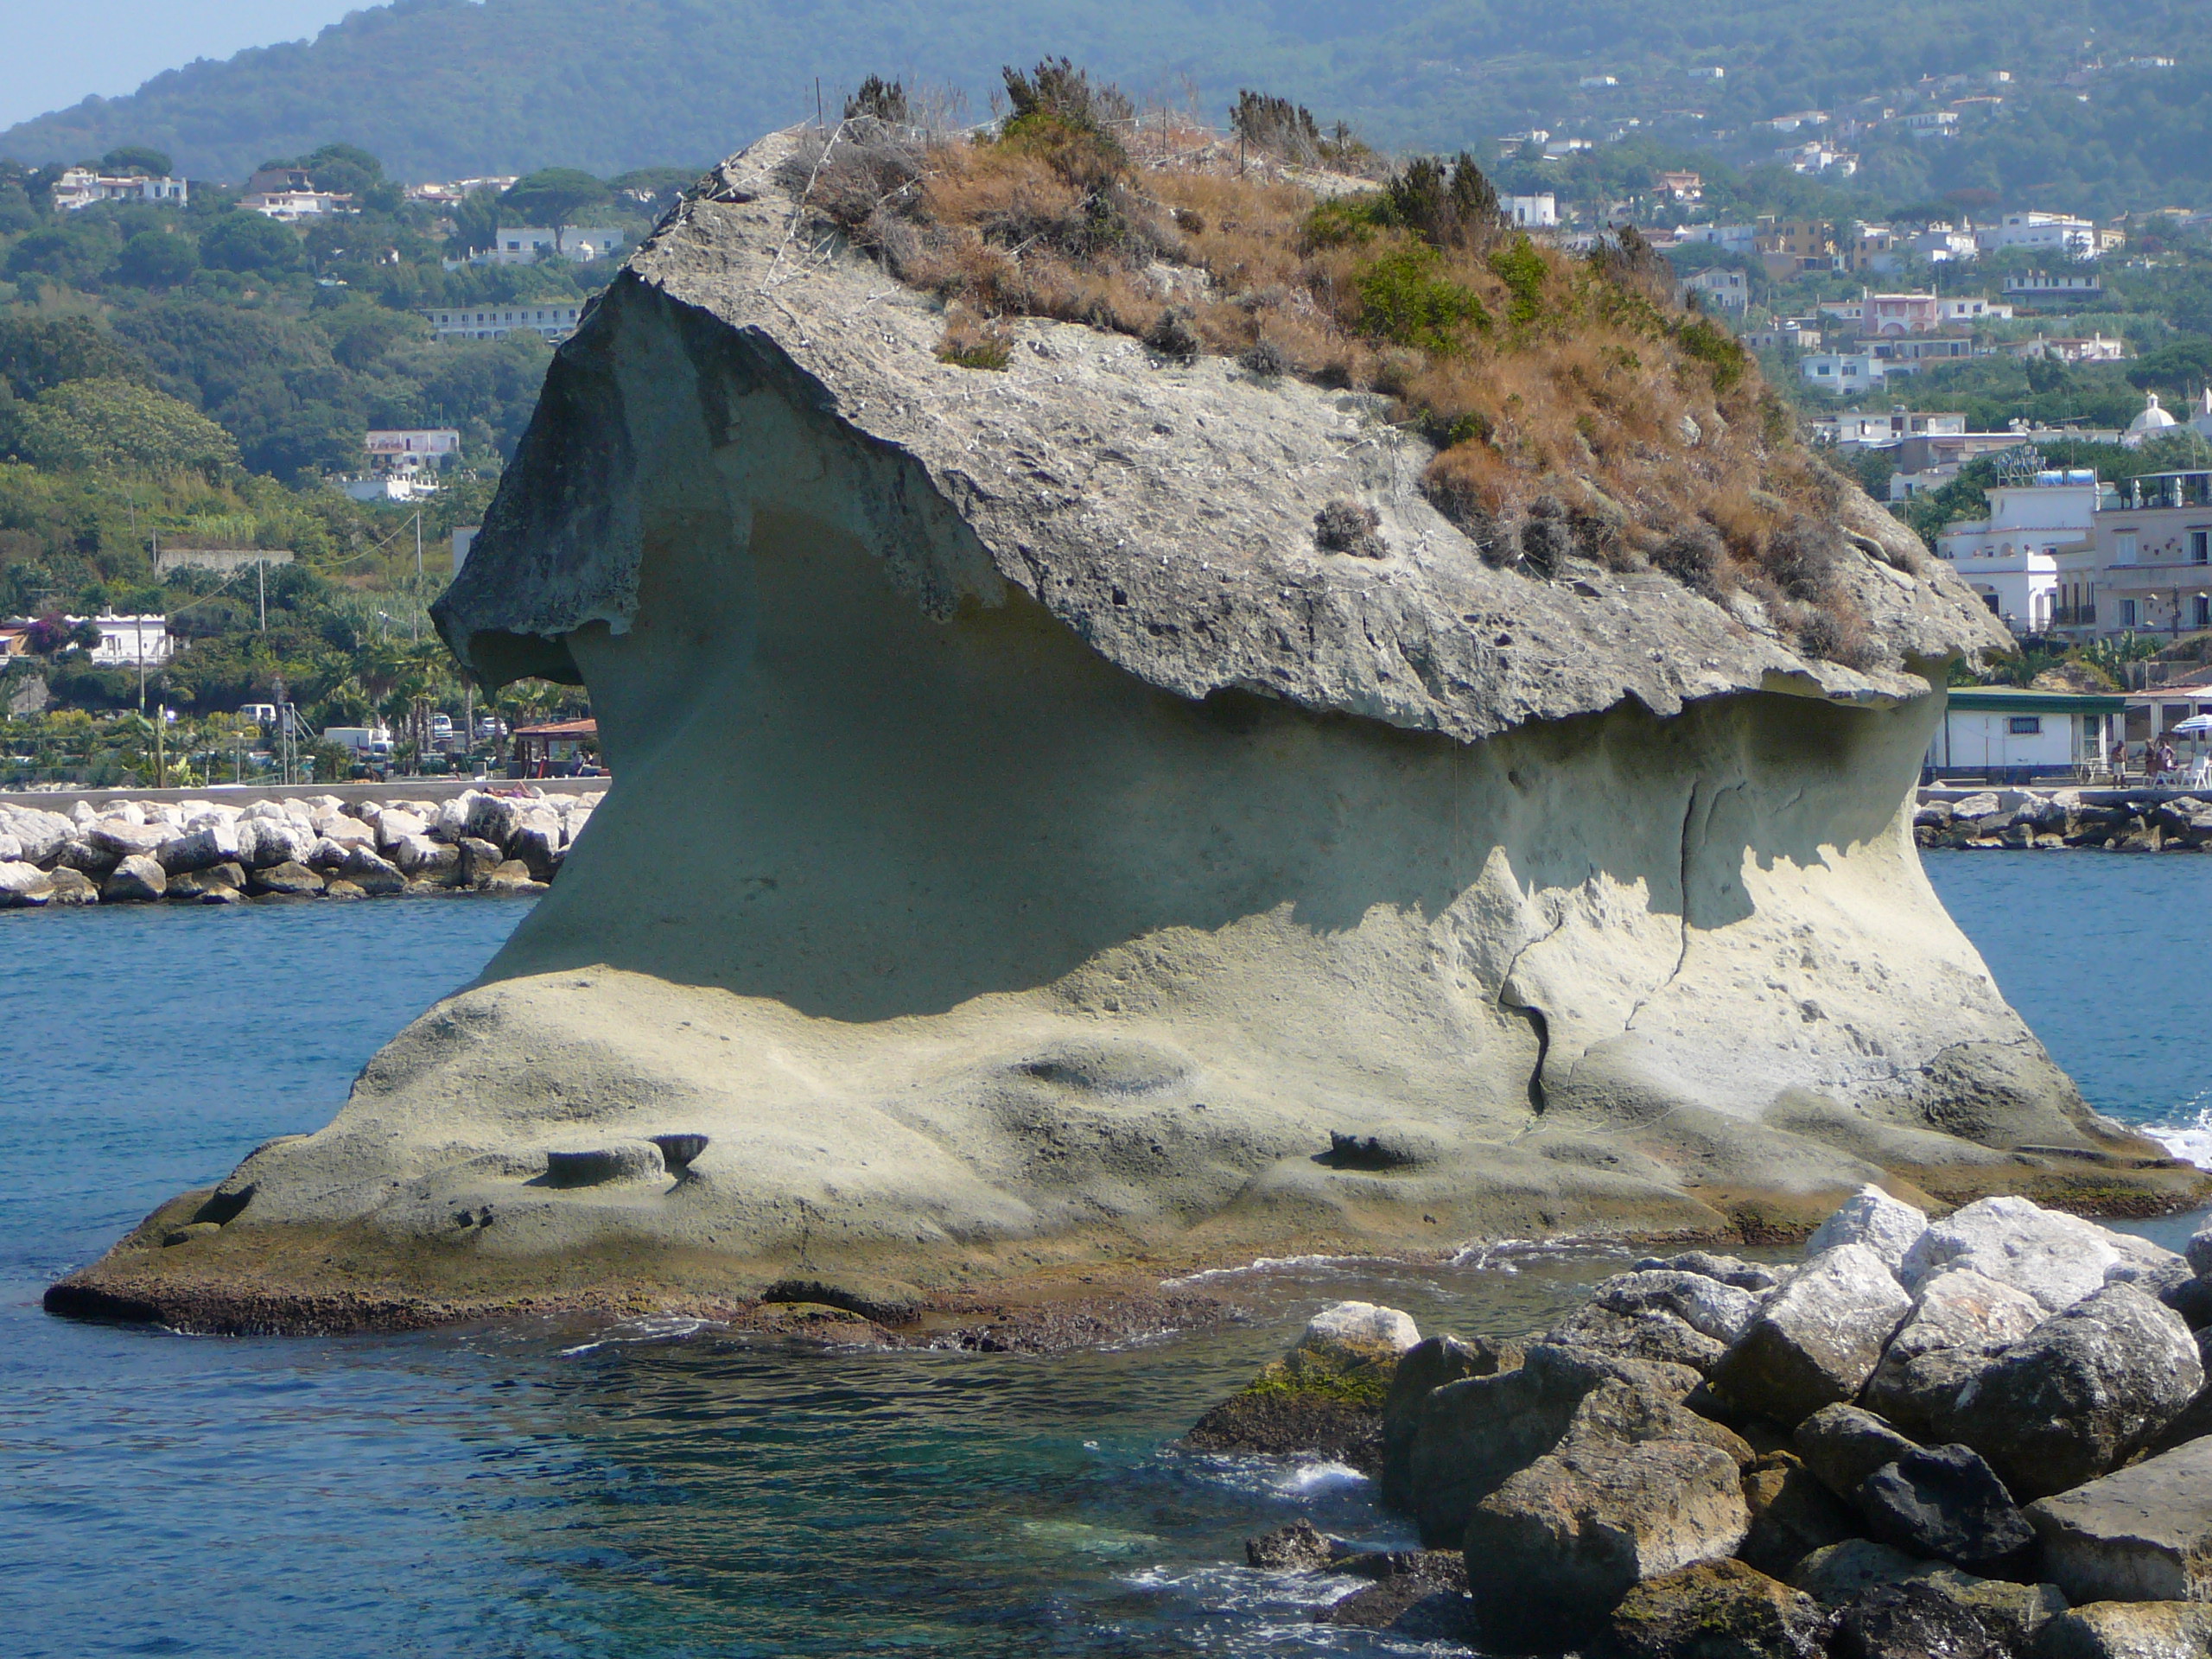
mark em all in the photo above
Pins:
pixel 122 424
pixel 249 242
pixel 38 352
pixel 141 159
pixel 553 199
pixel 156 259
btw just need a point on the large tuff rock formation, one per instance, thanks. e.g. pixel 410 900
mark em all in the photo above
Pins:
pixel 1030 847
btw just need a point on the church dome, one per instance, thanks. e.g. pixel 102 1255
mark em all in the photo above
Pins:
pixel 2152 419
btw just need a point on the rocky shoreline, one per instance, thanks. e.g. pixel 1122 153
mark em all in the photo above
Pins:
pixel 2064 819
pixel 503 840
pixel 1985 1436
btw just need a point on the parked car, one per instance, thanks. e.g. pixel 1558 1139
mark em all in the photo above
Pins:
pixel 490 725
pixel 441 728
pixel 264 713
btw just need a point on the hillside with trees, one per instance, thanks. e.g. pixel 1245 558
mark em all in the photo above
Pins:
pixel 445 87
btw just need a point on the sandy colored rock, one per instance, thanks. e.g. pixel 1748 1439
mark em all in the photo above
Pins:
pixel 1793 1514
pixel 1030 850
pixel 135 879
pixel 1472 1435
pixel 2129 1630
pixel 2142 1534
pixel 1625 1497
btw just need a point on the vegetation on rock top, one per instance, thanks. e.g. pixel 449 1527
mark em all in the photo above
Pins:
pixel 1578 410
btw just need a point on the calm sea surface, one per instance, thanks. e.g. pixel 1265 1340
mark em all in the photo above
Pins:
pixel 640 1492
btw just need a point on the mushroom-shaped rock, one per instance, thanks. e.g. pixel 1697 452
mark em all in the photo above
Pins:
pixel 1030 849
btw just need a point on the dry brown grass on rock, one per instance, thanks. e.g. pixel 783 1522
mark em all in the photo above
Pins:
pixel 1578 410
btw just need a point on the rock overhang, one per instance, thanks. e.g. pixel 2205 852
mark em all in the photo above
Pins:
pixel 1162 510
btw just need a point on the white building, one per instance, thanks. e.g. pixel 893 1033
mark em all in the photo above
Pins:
pixel 2010 559
pixel 1719 289
pixel 526 245
pixel 2090 348
pixel 289 207
pixel 1843 373
pixel 2059 233
pixel 1993 732
pixel 1736 239
pixel 1953 311
pixel 1852 427
pixel 1944 245
pixel 389 449
pixel 80 186
pixel 555 319
pixel 1818 157
pixel 127 641
pixel 1533 212
pixel 2038 285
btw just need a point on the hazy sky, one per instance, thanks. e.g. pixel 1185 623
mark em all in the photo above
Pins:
pixel 58 53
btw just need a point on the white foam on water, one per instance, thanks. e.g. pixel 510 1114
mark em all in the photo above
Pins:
pixel 1308 1480
pixel 661 1327
pixel 2189 1137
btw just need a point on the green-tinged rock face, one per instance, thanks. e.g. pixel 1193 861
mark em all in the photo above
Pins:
pixel 1719 1610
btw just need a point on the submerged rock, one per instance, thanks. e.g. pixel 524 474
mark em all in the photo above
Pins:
pixel 1324 1398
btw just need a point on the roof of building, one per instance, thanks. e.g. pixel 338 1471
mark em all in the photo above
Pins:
pixel 2019 700
pixel 2153 418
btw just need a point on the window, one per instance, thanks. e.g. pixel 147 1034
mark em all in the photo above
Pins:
pixel 2204 611
pixel 2126 612
pixel 2123 547
pixel 2200 547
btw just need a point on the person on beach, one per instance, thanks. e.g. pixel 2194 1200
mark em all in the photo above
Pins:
pixel 2165 759
pixel 2119 761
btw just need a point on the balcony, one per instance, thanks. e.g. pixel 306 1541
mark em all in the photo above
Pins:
pixel 2072 616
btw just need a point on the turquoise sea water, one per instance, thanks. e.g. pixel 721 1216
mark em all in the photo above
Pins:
pixel 641 1492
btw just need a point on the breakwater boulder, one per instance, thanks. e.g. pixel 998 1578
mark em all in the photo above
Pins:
pixel 1625 1506
pixel 219 852
pixel 2113 820
pixel 1042 845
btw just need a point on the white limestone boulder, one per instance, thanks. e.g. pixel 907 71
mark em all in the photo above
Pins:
pixel 1887 1226
pixel 1817 1340
pixel 2054 1257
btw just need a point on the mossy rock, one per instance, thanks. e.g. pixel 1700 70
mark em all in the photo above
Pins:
pixel 1721 1610
pixel 1323 1401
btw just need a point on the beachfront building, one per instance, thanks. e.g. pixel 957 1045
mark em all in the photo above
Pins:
pixel 2153 550
pixel 128 641
pixel 2010 558
pixel 2000 734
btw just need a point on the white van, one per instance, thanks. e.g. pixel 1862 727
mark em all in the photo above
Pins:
pixel 369 742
